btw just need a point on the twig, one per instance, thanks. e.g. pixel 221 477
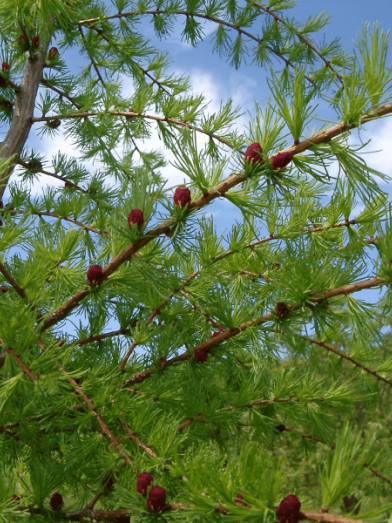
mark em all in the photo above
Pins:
pixel 307 42
pixel 26 370
pixel 233 180
pixel 99 337
pixel 54 175
pixel 54 215
pixel 210 18
pixel 231 332
pixel 7 275
pixel 131 114
pixel 62 94
pixel 345 356
pixel 133 437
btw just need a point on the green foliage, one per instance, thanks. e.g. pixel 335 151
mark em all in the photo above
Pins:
pixel 223 362
pixel 344 466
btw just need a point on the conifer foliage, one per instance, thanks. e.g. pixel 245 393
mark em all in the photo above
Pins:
pixel 152 368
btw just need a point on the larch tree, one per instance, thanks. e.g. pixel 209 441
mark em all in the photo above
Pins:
pixel 152 368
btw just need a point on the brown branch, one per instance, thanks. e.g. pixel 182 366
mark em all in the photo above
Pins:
pixel 133 437
pixel 16 424
pixel 54 175
pixel 231 332
pixel 99 337
pixel 189 278
pixel 224 186
pixel 154 80
pixel 23 111
pixel 376 473
pixel 7 275
pixel 112 515
pixel 327 517
pixel 307 42
pixel 131 114
pixel 345 356
pixel 212 322
pixel 200 419
pixel 144 71
pixel 26 370
pixel 54 215
pixel 78 106
pixel 62 94
pixel 210 18
pixel 332 447
pixel 91 59
pixel 104 428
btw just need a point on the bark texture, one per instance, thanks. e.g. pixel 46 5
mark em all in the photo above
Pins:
pixel 23 112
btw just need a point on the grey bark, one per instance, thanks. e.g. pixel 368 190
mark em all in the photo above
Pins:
pixel 23 112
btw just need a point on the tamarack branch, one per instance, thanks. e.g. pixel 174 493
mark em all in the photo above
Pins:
pixel 161 359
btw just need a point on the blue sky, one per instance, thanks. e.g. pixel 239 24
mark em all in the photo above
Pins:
pixel 218 81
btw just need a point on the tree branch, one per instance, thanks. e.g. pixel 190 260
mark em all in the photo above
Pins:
pixel 327 517
pixel 345 356
pixel 210 18
pixel 7 275
pixel 131 114
pixel 54 215
pixel 231 332
pixel 62 94
pixel 54 175
pixel 307 42
pixel 26 370
pixel 133 437
pixel 99 337
pixel 210 195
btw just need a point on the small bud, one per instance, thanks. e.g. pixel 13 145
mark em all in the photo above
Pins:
pixel 144 480
pixel 253 153
pixel 156 499
pixel 108 481
pixel 53 53
pixel 201 355
pixel 22 41
pixel 182 196
pixel 289 510
pixel 280 160
pixel 136 216
pixel 94 275
pixel 34 165
pixel 281 428
pixel 5 67
pixel 54 124
pixel 282 310
pixel 56 501
pixel 351 504
pixel 35 41
pixel 6 104
pixel 214 334
pixel 239 500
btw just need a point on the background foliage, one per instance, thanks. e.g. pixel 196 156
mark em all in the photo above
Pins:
pixel 102 382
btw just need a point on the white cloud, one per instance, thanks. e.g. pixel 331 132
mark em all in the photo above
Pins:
pixel 380 146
